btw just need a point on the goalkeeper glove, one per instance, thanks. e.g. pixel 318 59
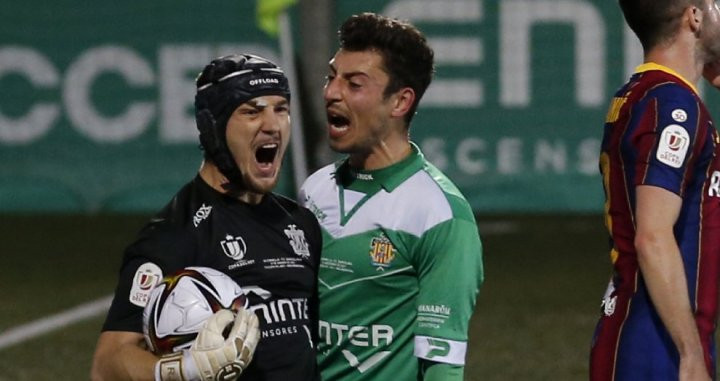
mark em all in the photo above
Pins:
pixel 212 356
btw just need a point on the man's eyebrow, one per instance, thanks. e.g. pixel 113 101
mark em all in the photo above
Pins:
pixel 349 74
pixel 256 103
pixel 261 103
pixel 355 74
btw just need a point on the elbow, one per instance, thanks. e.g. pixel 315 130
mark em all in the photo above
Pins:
pixel 96 373
pixel 645 244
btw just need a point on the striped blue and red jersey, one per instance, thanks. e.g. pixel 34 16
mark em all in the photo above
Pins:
pixel 658 133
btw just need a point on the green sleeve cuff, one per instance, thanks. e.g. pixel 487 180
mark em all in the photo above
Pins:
pixel 434 371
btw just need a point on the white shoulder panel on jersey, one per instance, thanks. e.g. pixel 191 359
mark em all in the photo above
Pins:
pixel 416 206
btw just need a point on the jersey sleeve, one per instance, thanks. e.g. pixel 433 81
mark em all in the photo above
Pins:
pixel 432 371
pixel 450 273
pixel 159 250
pixel 662 143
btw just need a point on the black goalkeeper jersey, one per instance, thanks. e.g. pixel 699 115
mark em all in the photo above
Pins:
pixel 271 250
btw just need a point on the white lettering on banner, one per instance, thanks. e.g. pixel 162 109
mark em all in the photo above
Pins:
pixel 517 17
pixel 587 151
pixel 455 50
pixel 178 66
pixel 78 83
pixel 552 156
pixel 474 156
pixel 41 73
pixel 177 90
pixel 467 163
pixel 509 156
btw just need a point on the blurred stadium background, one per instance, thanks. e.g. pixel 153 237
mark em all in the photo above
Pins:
pixel 97 132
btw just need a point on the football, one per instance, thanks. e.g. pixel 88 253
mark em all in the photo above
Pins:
pixel 179 305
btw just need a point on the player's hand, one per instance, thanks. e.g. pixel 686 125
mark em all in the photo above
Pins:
pixel 693 370
pixel 213 356
pixel 711 72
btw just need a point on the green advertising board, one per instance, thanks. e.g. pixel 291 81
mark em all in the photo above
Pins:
pixel 96 104
pixel 96 111
pixel 516 110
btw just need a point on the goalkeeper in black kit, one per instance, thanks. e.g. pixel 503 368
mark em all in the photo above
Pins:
pixel 227 218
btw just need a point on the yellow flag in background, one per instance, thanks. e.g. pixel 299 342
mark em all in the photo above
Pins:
pixel 267 12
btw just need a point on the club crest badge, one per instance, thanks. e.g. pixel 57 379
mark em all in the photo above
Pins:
pixel 382 252
pixel 297 241
pixel 234 247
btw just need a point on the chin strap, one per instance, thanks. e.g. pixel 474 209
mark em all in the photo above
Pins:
pixel 216 148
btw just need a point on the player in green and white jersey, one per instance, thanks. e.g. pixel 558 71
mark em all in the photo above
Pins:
pixel 401 263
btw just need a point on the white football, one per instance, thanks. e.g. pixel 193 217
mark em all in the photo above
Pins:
pixel 179 305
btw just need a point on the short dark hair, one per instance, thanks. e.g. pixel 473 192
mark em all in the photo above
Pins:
pixel 406 54
pixel 655 21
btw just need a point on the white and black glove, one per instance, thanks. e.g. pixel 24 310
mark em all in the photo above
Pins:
pixel 212 356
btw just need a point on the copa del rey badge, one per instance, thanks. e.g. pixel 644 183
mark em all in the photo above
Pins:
pixel 673 145
pixel 297 241
pixel 233 247
pixel 146 277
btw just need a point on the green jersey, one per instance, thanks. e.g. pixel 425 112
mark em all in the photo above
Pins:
pixel 400 269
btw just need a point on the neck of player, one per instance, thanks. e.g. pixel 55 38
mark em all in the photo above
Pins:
pixel 210 173
pixel 384 153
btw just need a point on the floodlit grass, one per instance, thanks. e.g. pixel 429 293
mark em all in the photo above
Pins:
pixel 536 312
pixel 538 307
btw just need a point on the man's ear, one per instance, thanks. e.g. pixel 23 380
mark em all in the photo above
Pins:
pixel 404 99
pixel 694 17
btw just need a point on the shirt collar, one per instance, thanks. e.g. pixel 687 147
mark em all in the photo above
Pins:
pixel 655 66
pixel 388 178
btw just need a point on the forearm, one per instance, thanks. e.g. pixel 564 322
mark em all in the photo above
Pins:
pixel 119 357
pixel 662 268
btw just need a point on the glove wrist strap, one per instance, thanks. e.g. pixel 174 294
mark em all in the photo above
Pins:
pixel 177 366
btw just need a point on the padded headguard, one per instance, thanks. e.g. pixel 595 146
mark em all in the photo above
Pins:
pixel 224 84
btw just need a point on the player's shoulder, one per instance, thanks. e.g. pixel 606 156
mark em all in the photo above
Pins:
pixel 288 204
pixel 674 92
pixel 321 177
pixel 667 88
pixel 438 195
pixel 185 210
pixel 298 212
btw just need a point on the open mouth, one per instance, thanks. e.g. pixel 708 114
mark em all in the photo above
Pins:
pixel 337 121
pixel 265 154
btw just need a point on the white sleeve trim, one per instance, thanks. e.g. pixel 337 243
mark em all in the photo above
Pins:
pixel 440 350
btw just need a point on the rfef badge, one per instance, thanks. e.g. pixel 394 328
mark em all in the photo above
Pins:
pixel 382 252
